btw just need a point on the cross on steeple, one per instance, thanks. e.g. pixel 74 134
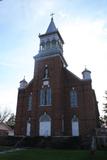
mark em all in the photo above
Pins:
pixel 52 14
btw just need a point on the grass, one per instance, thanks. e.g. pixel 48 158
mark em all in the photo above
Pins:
pixel 50 154
pixel 4 148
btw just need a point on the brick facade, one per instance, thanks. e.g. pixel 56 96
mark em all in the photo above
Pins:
pixel 61 81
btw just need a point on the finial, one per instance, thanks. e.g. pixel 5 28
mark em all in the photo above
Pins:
pixel 52 14
pixel 85 67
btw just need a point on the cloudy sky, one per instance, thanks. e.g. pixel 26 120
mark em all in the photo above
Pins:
pixel 83 26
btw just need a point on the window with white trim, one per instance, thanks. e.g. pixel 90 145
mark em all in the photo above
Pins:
pixel 73 98
pixel 45 96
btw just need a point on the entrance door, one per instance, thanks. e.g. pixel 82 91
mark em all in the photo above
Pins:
pixel 45 129
pixel 45 125
pixel 75 126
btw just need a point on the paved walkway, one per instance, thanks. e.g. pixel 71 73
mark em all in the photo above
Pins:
pixel 11 150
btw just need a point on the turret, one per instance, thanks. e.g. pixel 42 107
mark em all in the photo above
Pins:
pixel 23 84
pixel 86 74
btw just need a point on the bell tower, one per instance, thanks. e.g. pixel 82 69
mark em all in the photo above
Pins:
pixel 51 43
pixel 50 47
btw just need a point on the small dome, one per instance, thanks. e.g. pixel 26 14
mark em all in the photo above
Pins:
pixel 86 74
pixel 23 84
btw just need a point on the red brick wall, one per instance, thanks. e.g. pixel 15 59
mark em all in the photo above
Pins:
pixel 61 82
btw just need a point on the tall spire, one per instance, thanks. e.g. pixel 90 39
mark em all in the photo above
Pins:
pixel 51 27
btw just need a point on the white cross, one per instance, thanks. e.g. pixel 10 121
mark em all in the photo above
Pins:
pixel 52 14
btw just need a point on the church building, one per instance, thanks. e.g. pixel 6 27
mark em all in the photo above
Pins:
pixel 55 102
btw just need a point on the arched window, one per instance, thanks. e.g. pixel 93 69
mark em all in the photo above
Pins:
pixel 47 44
pixel 30 102
pixel 45 118
pixel 60 44
pixel 54 43
pixel 75 126
pixel 42 46
pixel 45 125
pixel 73 98
pixel 45 96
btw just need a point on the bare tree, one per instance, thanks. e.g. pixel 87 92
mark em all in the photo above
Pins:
pixel 11 121
pixel 4 115
pixel 105 108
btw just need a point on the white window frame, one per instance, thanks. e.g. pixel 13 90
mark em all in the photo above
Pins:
pixel 73 98
pixel 45 96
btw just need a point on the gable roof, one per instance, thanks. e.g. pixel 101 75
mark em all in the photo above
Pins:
pixel 4 127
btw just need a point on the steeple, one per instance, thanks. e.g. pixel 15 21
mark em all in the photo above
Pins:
pixel 51 43
pixel 51 27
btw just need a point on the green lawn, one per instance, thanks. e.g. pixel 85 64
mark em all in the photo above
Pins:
pixel 48 154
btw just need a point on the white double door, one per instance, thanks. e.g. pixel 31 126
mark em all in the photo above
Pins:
pixel 75 128
pixel 45 128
